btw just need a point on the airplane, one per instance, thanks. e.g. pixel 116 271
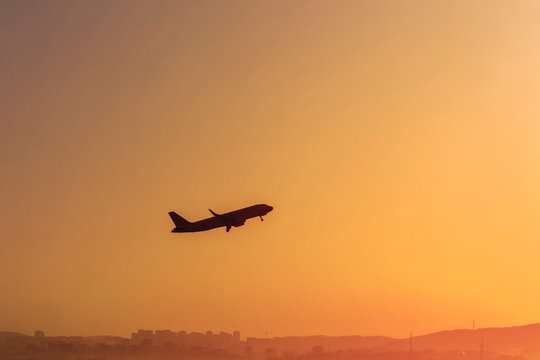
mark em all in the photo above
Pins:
pixel 234 218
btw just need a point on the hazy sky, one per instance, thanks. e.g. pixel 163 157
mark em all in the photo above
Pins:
pixel 398 142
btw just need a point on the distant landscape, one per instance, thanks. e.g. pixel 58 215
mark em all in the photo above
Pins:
pixel 509 343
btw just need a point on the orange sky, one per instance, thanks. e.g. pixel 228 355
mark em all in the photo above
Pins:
pixel 396 140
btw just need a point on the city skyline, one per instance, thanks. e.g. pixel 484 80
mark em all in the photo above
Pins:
pixel 518 341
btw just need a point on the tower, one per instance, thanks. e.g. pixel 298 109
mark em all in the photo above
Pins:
pixel 410 346
pixel 482 349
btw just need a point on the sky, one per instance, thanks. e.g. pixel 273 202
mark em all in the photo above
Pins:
pixel 396 140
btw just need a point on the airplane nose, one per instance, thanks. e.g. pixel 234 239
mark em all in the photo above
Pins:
pixel 270 208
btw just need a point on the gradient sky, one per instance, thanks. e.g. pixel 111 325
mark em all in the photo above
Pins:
pixel 398 142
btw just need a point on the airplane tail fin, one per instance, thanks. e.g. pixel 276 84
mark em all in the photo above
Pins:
pixel 178 220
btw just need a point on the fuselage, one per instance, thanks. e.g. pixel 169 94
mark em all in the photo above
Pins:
pixel 234 218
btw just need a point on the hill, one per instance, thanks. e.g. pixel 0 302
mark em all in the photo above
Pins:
pixel 515 340
pixel 9 334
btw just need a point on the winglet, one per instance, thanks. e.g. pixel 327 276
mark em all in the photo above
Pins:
pixel 213 213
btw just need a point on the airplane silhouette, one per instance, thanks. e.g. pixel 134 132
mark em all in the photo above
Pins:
pixel 234 218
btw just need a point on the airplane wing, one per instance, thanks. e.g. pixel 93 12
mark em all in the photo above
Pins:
pixel 225 219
